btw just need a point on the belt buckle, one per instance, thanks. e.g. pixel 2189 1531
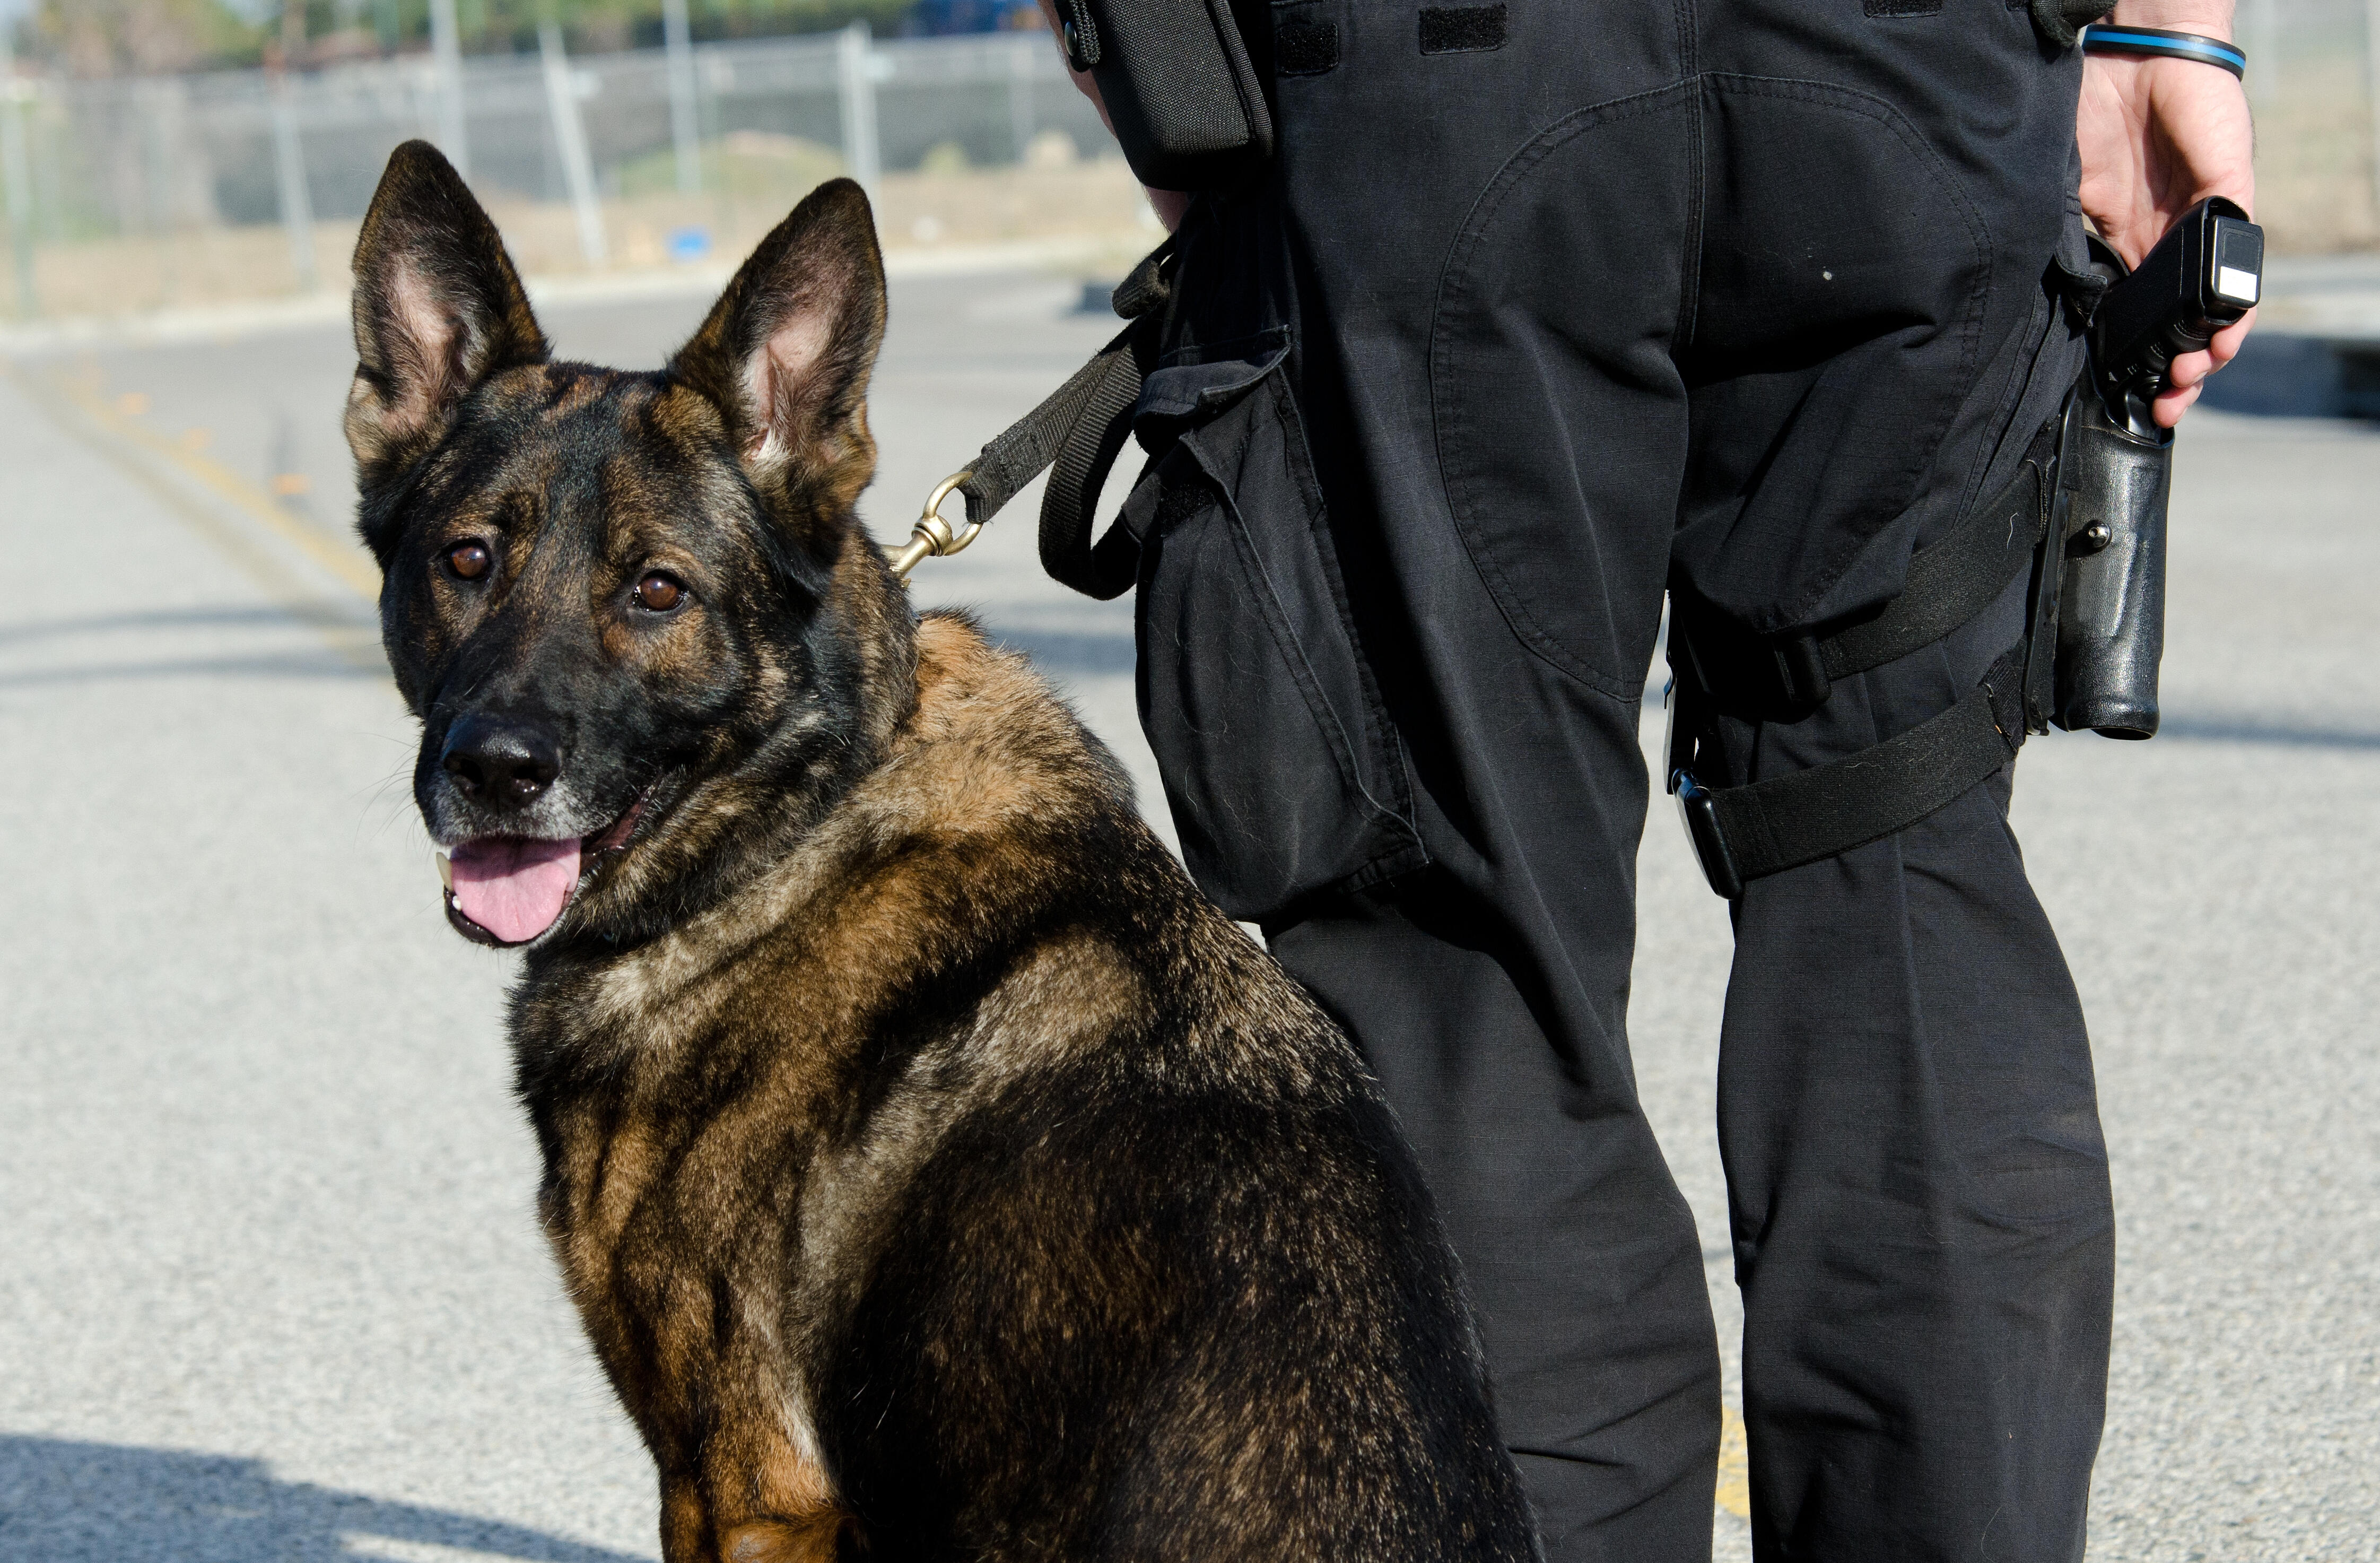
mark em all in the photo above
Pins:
pixel 1771 678
pixel 1801 667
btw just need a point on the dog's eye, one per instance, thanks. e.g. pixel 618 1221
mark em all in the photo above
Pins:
pixel 659 593
pixel 468 559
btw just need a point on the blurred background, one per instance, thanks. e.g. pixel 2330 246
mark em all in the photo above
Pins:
pixel 162 154
pixel 167 153
pixel 160 157
pixel 270 1285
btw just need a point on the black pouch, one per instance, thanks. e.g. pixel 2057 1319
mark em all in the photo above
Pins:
pixel 1285 776
pixel 1182 93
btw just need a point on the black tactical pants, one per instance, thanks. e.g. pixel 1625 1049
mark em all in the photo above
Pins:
pixel 1582 300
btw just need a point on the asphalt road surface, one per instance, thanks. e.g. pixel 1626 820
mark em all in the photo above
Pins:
pixel 272 1288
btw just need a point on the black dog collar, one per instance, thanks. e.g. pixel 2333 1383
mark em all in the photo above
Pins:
pixel 2110 37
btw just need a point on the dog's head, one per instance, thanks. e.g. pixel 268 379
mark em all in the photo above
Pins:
pixel 635 613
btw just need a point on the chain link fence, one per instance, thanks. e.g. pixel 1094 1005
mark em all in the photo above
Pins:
pixel 133 194
pixel 147 192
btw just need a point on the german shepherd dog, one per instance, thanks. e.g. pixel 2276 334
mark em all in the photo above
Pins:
pixel 937 1175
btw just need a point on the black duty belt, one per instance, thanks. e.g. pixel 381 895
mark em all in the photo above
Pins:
pixel 1741 834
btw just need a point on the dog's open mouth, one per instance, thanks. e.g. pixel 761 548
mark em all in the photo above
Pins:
pixel 509 889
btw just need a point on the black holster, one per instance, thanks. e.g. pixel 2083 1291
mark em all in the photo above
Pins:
pixel 2098 622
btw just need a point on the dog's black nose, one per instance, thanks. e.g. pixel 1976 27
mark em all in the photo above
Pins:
pixel 502 763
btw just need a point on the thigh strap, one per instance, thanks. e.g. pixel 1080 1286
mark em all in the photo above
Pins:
pixel 1746 833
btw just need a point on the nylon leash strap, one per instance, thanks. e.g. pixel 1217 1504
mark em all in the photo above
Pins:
pixel 1078 429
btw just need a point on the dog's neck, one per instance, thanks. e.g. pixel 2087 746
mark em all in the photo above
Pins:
pixel 976 743
pixel 875 617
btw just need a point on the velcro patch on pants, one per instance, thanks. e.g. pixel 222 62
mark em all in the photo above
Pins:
pixel 1305 48
pixel 1464 29
pixel 1903 7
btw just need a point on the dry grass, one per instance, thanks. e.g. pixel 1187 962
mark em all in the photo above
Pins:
pixel 201 266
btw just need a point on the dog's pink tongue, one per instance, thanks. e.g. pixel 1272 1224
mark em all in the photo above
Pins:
pixel 515 888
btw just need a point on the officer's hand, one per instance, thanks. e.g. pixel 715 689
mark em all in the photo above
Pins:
pixel 2157 137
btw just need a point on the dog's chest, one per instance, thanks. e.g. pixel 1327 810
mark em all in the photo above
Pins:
pixel 725 1160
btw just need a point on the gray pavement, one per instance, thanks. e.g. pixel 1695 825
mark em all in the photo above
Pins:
pixel 272 1288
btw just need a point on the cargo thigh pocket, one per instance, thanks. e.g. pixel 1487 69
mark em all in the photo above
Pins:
pixel 1282 772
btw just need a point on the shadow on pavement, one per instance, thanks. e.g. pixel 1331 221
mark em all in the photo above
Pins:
pixel 163 619
pixel 344 647
pixel 65 1502
pixel 296 665
pixel 2279 375
pixel 2216 729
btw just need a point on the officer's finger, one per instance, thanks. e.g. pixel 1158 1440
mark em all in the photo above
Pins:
pixel 2230 339
pixel 2171 406
pixel 2189 369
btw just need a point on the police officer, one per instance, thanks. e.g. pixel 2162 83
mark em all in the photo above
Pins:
pixel 1569 306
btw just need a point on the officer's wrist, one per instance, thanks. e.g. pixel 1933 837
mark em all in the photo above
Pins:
pixel 2210 18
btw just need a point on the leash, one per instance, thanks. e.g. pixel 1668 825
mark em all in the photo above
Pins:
pixel 1079 430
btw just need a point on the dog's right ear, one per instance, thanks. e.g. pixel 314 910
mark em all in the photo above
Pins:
pixel 438 310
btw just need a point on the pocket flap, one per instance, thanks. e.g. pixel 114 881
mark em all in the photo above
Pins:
pixel 1284 774
pixel 1218 375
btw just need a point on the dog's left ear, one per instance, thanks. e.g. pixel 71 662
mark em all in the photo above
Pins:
pixel 438 310
pixel 786 352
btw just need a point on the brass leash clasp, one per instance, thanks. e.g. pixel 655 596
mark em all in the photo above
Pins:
pixel 932 536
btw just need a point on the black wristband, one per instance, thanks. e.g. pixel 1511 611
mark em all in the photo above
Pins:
pixel 2114 38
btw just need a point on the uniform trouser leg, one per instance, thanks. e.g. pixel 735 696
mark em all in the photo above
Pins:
pixel 1580 1256
pixel 1918 1192
pixel 1918 1195
pixel 1744 294
pixel 1917 1185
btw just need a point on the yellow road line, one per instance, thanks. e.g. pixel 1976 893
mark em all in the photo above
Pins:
pixel 352 640
pixel 1734 1464
pixel 349 565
